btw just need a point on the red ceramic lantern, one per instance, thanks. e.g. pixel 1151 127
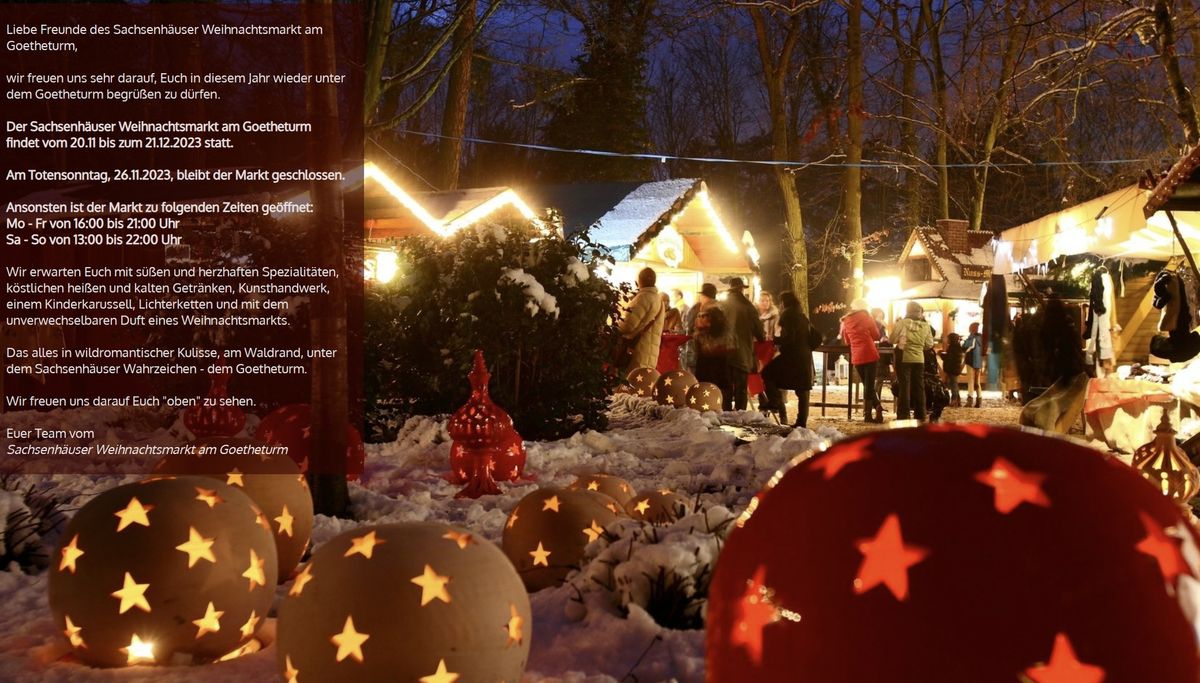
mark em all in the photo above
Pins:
pixel 484 436
pixel 291 426
pixel 215 416
pixel 957 553
pixel 510 462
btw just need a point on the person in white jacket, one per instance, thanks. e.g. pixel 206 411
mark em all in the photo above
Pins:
pixel 643 319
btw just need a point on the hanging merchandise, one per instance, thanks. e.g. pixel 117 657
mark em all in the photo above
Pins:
pixel 1180 343
pixel 1099 326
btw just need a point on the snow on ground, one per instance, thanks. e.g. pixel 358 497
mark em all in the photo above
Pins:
pixel 582 632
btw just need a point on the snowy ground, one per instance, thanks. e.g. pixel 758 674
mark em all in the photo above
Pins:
pixel 590 640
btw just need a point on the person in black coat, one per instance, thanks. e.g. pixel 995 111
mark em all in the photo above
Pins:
pixel 793 367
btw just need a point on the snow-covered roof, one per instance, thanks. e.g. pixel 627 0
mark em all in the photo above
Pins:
pixel 945 261
pixel 641 210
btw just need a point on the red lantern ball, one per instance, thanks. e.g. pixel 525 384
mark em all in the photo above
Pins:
pixel 510 464
pixel 957 553
pixel 291 426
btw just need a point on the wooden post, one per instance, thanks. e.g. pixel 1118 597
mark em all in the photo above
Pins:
pixel 1186 252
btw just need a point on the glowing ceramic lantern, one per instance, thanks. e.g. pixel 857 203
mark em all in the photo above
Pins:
pixel 152 570
pixel 484 433
pixel 614 487
pixel 642 381
pixel 1164 464
pixel 510 461
pixel 704 396
pixel 405 602
pixel 963 552
pixel 672 388
pixel 657 507
pixel 216 415
pixel 272 480
pixel 548 530
pixel 291 426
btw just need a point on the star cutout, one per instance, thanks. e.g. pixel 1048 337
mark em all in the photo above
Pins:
pixel 234 478
pixel 540 556
pixel 1013 486
pixel 73 633
pixel 138 651
pixel 832 463
pixel 134 513
pixel 513 627
pixel 132 594
pixel 251 625
pixel 666 381
pixel 612 507
pixel 285 522
pixel 550 503
pixel 210 622
pixel 462 539
pixel 1064 666
pixel 593 485
pixel 256 572
pixel 665 492
pixel 441 675
pixel 70 553
pixel 753 613
pixel 1163 548
pixel 433 586
pixel 512 519
pixel 364 545
pixel 349 642
pixel 197 548
pixel 302 578
pixel 642 506
pixel 261 520
pixel 290 673
pixel 208 496
pixel 624 487
pixel 593 532
pixel 692 400
pixel 886 560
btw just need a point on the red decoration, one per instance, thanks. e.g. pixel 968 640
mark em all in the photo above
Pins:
pixel 209 417
pixel 957 553
pixel 510 464
pixel 483 432
pixel 291 426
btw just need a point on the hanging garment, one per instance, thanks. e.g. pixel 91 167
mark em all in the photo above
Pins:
pixel 1167 297
pixel 1101 310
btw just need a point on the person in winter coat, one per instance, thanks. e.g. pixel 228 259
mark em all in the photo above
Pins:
pixel 673 322
pixel 713 351
pixel 860 332
pixel 768 314
pixel 793 367
pixel 972 348
pixel 744 328
pixel 912 336
pixel 952 364
pixel 705 298
pixel 643 322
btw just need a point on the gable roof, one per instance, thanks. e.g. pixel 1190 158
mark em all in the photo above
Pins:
pixel 945 262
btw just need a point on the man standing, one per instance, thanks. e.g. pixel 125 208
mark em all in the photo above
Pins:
pixel 707 296
pixel 913 336
pixel 745 327
pixel 643 322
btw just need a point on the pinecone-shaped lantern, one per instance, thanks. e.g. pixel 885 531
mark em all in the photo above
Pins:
pixel 483 430
pixel 215 415
pixel 1163 463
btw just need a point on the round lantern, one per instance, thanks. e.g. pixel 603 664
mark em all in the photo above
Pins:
pixel 405 602
pixel 672 388
pixel 510 462
pixel 657 507
pixel 614 487
pixel 271 480
pixel 704 396
pixel 963 553
pixel 547 532
pixel 291 426
pixel 642 381
pixel 149 570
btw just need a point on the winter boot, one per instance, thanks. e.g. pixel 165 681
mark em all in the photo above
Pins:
pixel 978 401
pixel 782 413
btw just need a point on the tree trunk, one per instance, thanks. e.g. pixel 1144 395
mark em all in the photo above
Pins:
pixel 908 119
pixel 458 93
pixel 1015 37
pixel 795 230
pixel 934 26
pixel 1164 30
pixel 330 376
pixel 379 24
pixel 852 192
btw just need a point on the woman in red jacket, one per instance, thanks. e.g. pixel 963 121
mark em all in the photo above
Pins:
pixel 861 333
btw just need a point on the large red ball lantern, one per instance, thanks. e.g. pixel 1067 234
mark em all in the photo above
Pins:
pixel 291 426
pixel 957 553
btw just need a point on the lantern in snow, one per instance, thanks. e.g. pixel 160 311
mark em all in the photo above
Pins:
pixel 547 532
pixel 484 433
pixel 271 480
pixel 657 507
pixel 291 426
pixel 614 487
pixel 704 396
pixel 672 388
pixel 1164 464
pixel 963 552
pixel 215 415
pixel 642 381
pixel 150 570
pixel 510 461
pixel 453 609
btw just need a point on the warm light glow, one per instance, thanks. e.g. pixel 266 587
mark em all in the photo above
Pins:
pixel 70 553
pixel 540 556
pixel 234 478
pixel 73 633
pixel 593 532
pixel 210 622
pixel 433 586
pixel 442 675
pixel 669 244
pixel 515 622
pixel 197 548
pixel 251 625
pixel 880 291
pixel 550 503
pixel 134 513
pixel 507 197
pixel 462 539
pixel 349 642
pixel 247 649
pixel 132 594
pixel 364 545
pixel 593 485
pixel 139 651
pixel 722 231
pixel 751 248
pixel 285 520
pixel 302 578
pixel 208 496
pixel 642 506
pixel 387 266
pixel 290 672
pixel 372 171
pixel 512 520
pixel 255 572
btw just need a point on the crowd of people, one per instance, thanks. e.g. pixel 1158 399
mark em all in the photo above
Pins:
pixel 721 350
